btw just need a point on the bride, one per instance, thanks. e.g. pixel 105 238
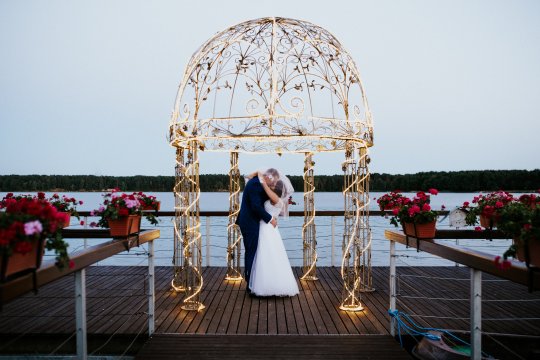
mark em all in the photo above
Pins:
pixel 271 274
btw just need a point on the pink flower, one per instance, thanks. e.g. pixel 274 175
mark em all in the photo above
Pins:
pixel 93 224
pixel 499 204
pixel 33 227
pixel 80 202
pixel 92 213
pixel 426 207
pixel 82 222
pixel 131 203
pixel 478 228
pixel 465 204
pixel 443 207
pixel 433 191
pixel 395 211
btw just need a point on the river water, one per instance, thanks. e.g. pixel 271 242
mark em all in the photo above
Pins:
pixel 214 232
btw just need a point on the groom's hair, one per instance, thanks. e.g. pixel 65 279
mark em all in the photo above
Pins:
pixel 273 172
pixel 278 189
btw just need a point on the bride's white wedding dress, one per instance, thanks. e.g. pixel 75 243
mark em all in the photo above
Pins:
pixel 271 274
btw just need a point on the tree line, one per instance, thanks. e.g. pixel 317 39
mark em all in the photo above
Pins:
pixel 454 181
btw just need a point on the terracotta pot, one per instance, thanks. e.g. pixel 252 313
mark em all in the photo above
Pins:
pixel 21 264
pixel 68 220
pixel 423 231
pixel 534 251
pixel 485 222
pixel 125 225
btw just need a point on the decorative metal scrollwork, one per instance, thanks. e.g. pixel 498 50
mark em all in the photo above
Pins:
pixel 233 232
pixel 272 85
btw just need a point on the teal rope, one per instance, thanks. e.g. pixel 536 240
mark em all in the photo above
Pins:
pixel 415 329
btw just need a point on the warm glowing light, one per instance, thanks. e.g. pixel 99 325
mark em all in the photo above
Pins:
pixel 356 260
pixel 308 229
pixel 233 232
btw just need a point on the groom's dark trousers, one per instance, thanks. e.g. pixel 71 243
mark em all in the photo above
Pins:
pixel 251 212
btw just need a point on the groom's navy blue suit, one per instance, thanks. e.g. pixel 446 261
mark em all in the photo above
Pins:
pixel 251 213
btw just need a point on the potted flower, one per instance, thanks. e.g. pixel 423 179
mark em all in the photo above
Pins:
pixel 415 215
pixel 65 204
pixel 521 221
pixel 487 208
pixel 148 202
pixel 27 225
pixel 121 213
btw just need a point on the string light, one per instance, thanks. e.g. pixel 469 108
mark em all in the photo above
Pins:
pixel 233 233
pixel 271 78
pixel 308 228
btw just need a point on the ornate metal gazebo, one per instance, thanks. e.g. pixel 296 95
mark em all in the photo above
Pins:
pixel 272 85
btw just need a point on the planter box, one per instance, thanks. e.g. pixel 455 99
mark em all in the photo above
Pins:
pixel 125 225
pixel 420 231
pixel 534 251
pixel 487 222
pixel 20 264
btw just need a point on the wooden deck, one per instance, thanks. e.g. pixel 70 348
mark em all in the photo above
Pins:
pixel 116 305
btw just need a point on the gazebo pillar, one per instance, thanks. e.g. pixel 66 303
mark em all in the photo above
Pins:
pixel 356 261
pixel 366 281
pixel 233 232
pixel 180 203
pixel 308 230
pixel 188 240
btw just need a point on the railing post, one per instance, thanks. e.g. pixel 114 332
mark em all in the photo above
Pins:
pixel 80 313
pixel 208 241
pixel 392 286
pixel 151 289
pixel 476 314
pixel 332 222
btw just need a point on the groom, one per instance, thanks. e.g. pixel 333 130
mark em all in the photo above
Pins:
pixel 251 212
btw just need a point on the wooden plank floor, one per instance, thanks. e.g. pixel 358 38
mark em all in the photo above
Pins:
pixel 116 304
pixel 283 347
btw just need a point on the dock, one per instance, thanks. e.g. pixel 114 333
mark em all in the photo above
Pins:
pixel 117 319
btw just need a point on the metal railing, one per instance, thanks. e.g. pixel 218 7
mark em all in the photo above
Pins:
pixel 477 261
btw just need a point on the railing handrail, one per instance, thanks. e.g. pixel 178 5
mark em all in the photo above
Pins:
pixel 48 272
pixel 478 260
pixel 220 213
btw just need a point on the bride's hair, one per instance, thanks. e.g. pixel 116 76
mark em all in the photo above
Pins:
pixel 278 188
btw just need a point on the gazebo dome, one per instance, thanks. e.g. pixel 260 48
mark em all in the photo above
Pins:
pixel 271 85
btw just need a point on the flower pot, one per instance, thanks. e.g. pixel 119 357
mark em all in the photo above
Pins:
pixel 485 221
pixel 124 225
pixel 66 223
pixel 421 231
pixel 534 251
pixel 20 264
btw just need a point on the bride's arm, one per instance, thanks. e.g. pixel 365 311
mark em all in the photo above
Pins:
pixel 252 175
pixel 271 194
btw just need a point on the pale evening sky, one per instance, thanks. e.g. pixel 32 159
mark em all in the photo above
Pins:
pixel 88 87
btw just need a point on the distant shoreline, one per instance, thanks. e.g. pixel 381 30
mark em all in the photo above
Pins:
pixel 453 181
